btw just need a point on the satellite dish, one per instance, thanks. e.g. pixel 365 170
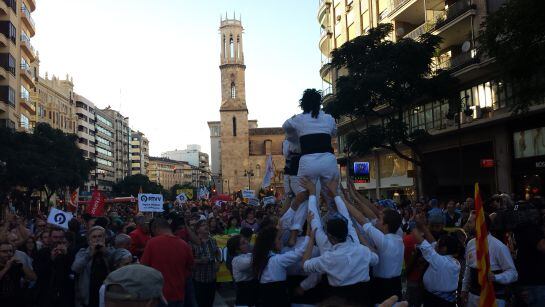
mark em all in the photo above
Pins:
pixel 400 31
pixel 466 46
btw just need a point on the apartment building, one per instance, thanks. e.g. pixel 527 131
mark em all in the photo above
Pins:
pixel 18 65
pixel 197 159
pixel 139 153
pixel 121 140
pixel 55 103
pixel 105 145
pixel 485 146
pixel 168 173
pixel 86 131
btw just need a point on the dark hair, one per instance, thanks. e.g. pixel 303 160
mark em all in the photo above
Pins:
pixel 391 218
pixel 311 102
pixel 233 218
pixel 233 248
pixel 247 232
pixel 338 229
pixel 451 242
pixel 102 221
pixel 264 244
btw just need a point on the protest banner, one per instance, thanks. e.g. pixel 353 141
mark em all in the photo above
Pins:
pixel 188 193
pixel 59 218
pixel 150 202
pixel 96 207
pixel 182 198
pixel 269 200
pixel 248 194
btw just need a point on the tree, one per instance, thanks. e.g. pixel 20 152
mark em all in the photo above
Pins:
pixel 47 160
pixel 132 185
pixel 383 80
pixel 515 36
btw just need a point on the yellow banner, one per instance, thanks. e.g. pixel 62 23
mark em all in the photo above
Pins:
pixel 223 274
pixel 187 192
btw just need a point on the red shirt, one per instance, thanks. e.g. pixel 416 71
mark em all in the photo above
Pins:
pixel 173 258
pixel 138 242
pixel 183 234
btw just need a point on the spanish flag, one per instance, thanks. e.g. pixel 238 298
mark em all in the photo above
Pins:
pixel 487 296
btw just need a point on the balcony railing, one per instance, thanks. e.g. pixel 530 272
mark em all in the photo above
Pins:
pixel 457 61
pixel 395 4
pixel 25 11
pixel 12 4
pixel 423 28
pixel 453 11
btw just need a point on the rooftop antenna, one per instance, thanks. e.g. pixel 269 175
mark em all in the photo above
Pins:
pixel 120 100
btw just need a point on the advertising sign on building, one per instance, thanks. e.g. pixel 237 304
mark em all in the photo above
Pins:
pixel 361 172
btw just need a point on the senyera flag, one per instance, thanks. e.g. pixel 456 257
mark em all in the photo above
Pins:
pixel 96 207
pixel 487 296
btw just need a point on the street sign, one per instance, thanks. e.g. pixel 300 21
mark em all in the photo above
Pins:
pixel 150 202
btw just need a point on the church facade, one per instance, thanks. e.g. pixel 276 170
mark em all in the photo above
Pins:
pixel 239 148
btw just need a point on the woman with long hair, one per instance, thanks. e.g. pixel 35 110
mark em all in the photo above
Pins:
pixel 240 264
pixel 313 130
pixel 269 266
pixel 233 227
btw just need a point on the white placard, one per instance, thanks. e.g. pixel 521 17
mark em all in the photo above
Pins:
pixel 248 194
pixel 59 218
pixel 253 202
pixel 150 202
pixel 269 200
pixel 182 198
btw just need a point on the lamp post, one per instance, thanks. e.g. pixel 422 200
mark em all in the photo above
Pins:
pixel 249 174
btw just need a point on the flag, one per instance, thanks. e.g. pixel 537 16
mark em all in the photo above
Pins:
pixel 203 193
pixel 59 218
pixel 140 191
pixel 487 296
pixel 96 207
pixel 269 172
pixel 74 201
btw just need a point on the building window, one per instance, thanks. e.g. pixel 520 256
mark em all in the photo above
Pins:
pixel 232 47
pixel 7 94
pixel 239 49
pixel 233 90
pixel 25 123
pixel 234 126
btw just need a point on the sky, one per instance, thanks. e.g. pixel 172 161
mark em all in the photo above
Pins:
pixel 157 61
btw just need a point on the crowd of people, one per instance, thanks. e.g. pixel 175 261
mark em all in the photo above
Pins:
pixel 322 244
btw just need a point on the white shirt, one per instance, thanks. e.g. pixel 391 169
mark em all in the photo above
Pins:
pixel 297 268
pixel 242 267
pixel 345 264
pixel 290 147
pixel 304 123
pixel 500 260
pixel 389 249
pixel 275 270
pixel 442 273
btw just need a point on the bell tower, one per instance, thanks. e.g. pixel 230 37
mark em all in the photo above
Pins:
pixel 234 139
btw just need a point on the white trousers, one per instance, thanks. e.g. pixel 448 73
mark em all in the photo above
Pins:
pixel 299 216
pixel 317 166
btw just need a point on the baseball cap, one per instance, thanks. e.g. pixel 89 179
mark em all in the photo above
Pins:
pixel 134 282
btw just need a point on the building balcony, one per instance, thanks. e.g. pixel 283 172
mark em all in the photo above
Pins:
pixel 457 62
pixel 3 73
pixel 325 72
pixel 27 104
pixel 325 42
pixel 26 73
pixel 421 29
pixel 27 47
pixel 454 13
pixel 28 21
pixel 404 10
pixel 32 5
pixel 4 9
pixel 323 13
pixel 4 41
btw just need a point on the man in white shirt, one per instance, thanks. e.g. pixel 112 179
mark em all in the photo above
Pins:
pixel 441 276
pixel 502 267
pixel 389 245
pixel 345 261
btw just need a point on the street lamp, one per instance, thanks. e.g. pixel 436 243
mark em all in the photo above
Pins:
pixel 249 174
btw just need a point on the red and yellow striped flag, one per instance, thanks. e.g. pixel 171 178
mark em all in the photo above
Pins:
pixel 487 296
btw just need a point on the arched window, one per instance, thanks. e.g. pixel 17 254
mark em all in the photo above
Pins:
pixel 233 90
pixel 238 48
pixel 224 47
pixel 232 47
pixel 234 126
